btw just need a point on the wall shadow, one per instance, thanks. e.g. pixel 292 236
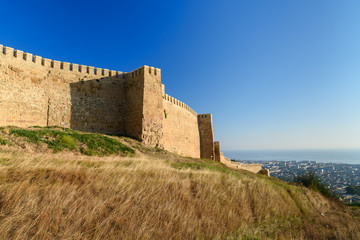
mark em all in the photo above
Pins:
pixel 98 105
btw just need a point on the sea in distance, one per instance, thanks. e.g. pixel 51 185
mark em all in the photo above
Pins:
pixel 349 156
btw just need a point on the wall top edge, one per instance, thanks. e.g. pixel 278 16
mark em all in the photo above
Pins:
pixel 179 103
pixel 205 115
pixel 64 65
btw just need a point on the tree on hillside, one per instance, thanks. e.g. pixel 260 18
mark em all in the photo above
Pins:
pixel 353 189
pixel 312 181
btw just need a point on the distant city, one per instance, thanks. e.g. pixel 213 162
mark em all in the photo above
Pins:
pixel 337 176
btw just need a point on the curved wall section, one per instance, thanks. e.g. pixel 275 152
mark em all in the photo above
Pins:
pixel 180 128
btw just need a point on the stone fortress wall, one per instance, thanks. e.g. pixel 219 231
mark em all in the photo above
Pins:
pixel 36 91
pixel 181 133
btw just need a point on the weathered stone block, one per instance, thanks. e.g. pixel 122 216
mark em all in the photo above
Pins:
pixel 28 57
pixel 83 69
pixel 55 64
pixel 98 71
pixel 37 59
pixel 19 54
pixel 46 62
pixel 91 70
pixel 65 66
pixel 74 67
pixel 8 51
pixel 105 72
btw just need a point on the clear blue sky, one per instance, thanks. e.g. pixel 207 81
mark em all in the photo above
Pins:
pixel 274 74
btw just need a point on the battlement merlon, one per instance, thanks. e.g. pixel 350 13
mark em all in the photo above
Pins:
pixel 177 102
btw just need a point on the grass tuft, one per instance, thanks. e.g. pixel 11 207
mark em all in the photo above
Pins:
pixel 5 161
pixel 199 166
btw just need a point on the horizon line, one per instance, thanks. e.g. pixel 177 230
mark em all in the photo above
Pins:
pixel 290 149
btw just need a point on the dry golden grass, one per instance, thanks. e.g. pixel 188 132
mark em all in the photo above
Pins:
pixel 71 196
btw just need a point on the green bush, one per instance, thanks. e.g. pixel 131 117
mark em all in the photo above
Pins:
pixel 312 181
pixel 355 204
pixel 353 189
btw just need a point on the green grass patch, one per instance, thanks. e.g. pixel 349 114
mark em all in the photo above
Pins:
pixel 4 142
pixel 87 164
pixel 32 136
pixel 199 166
pixel 86 143
pixel 5 161
pixel 64 142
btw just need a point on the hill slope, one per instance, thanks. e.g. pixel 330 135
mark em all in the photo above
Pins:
pixel 148 194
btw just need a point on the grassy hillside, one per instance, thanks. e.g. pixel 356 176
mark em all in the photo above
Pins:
pixel 89 186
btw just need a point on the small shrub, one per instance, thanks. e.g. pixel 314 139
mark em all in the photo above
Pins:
pixel 355 204
pixel 4 141
pixel 353 189
pixel 157 149
pixel 312 181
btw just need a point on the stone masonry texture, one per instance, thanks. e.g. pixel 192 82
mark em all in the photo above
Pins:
pixel 36 91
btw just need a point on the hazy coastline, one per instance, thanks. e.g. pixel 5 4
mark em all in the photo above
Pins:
pixel 349 156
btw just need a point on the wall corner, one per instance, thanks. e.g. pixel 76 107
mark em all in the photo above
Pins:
pixel 153 108
pixel 144 112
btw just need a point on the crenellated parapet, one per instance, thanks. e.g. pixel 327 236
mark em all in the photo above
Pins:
pixel 54 64
pixel 205 115
pixel 179 103
pixel 74 67
pixel 142 70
